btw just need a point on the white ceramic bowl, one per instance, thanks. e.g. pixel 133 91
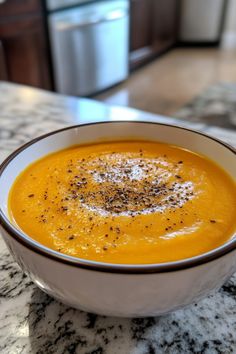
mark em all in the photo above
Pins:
pixel 116 289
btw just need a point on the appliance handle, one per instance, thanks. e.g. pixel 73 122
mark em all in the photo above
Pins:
pixel 111 16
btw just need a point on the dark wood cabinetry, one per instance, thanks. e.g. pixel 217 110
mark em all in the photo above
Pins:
pixel 140 19
pixel 3 67
pixel 23 44
pixel 153 28
pixel 19 7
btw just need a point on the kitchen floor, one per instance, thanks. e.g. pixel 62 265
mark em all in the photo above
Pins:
pixel 174 79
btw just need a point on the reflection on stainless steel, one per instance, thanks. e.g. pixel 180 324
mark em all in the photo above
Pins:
pixel 90 46
pixel 112 16
pixel 58 4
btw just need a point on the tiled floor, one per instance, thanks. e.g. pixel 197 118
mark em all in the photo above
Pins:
pixel 171 81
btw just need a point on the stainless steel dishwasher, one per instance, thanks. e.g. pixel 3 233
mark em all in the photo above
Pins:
pixel 90 46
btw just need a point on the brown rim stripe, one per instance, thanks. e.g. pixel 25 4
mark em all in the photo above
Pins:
pixel 108 267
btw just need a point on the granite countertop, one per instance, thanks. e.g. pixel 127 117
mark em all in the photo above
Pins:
pixel 33 322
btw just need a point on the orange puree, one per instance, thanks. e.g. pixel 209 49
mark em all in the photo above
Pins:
pixel 125 202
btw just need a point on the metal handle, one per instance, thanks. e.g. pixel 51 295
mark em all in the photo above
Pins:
pixel 112 16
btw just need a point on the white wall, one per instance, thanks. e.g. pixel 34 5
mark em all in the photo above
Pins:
pixel 229 30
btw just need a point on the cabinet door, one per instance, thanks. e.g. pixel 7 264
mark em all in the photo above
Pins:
pixel 19 7
pixel 153 28
pixel 25 51
pixel 140 24
pixel 3 67
pixel 165 23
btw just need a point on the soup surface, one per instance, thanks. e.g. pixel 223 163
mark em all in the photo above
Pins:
pixel 130 202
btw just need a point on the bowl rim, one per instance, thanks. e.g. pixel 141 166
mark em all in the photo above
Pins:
pixel 35 246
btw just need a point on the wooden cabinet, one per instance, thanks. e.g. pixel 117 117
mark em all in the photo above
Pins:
pixel 140 29
pixel 23 49
pixel 19 7
pixel 165 22
pixel 153 28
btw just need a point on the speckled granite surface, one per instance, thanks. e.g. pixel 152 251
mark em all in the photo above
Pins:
pixel 32 322
pixel 215 106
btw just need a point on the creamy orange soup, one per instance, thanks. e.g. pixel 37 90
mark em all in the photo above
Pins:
pixel 129 202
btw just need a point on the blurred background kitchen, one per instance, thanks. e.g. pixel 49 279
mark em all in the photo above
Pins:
pixel 153 55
